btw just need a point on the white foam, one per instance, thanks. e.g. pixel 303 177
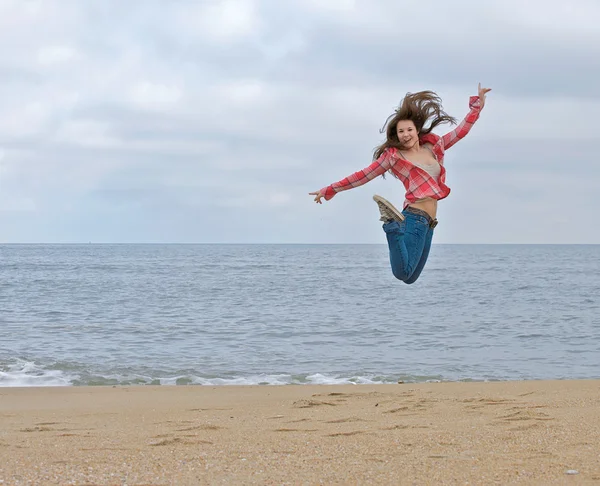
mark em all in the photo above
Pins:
pixel 22 373
pixel 262 379
pixel 27 373
pixel 319 379
pixel 281 379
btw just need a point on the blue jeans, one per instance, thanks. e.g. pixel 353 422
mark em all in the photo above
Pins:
pixel 409 243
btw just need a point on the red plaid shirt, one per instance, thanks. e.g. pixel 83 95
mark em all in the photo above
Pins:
pixel 418 183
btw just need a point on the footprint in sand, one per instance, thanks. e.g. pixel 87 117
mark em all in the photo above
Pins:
pixel 179 441
pixel 346 434
pixel 201 427
pixel 312 403
pixel 361 396
pixel 345 420
pixel 39 429
pixel 479 403
pixel 396 427
pixel 526 414
pixel 208 409
pixel 406 410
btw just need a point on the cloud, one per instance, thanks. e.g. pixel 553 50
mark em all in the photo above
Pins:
pixel 151 96
pixel 219 20
pixel 49 55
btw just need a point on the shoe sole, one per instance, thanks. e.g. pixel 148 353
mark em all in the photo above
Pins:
pixel 390 206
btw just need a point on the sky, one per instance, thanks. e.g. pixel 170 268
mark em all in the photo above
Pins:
pixel 210 121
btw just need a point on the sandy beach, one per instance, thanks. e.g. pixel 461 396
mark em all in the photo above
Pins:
pixel 534 432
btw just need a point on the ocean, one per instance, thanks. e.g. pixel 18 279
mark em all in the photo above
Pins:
pixel 171 314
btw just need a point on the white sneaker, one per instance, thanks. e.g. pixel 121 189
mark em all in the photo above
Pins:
pixel 387 210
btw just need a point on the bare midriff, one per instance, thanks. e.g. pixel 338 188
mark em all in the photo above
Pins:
pixel 428 204
pixel 427 157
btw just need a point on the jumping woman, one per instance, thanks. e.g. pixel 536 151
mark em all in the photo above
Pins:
pixel 415 156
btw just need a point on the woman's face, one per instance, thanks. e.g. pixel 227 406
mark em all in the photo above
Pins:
pixel 407 133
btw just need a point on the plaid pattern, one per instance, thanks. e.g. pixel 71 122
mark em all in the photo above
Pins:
pixel 418 183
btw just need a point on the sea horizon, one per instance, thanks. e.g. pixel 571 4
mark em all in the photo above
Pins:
pixel 277 243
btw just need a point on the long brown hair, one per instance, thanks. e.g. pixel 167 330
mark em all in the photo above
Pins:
pixel 419 107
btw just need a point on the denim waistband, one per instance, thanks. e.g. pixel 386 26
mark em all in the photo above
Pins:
pixel 432 222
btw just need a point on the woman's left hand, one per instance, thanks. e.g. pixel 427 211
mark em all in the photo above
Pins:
pixel 482 93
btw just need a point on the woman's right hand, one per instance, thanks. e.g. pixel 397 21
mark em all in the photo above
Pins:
pixel 317 195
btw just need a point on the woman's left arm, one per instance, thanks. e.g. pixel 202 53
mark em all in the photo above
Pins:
pixel 476 104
